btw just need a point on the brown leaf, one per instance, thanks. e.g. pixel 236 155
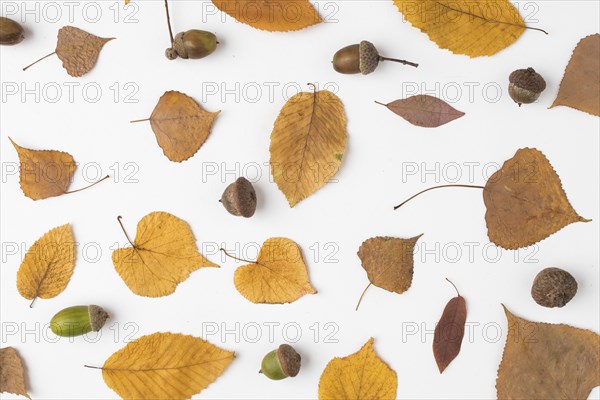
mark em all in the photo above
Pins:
pixel 580 86
pixel 423 110
pixel 12 372
pixel 181 125
pixel 388 262
pixel 547 361
pixel 272 15
pixel 449 332
pixel 78 49
pixel 525 201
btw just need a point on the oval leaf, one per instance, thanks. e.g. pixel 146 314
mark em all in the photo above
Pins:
pixel 423 110
pixel 449 332
pixel 308 143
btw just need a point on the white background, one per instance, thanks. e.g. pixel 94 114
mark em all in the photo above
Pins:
pixel 337 219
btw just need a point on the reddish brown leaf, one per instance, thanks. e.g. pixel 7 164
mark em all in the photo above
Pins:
pixel 423 110
pixel 449 332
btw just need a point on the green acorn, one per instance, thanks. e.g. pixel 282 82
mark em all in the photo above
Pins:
pixel 192 44
pixel 78 320
pixel 281 363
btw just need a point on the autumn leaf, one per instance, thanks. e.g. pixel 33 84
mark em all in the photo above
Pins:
pixel 308 143
pixel 165 366
pixel 12 373
pixel 48 265
pixel 423 110
pixel 474 28
pixel 273 15
pixel 449 331
pixel 163 255
pixel 547 361
pixel 277 276
pixel 388 262
pixel 580 86
pixel 77 49
pixel 359 376
pixel 180 125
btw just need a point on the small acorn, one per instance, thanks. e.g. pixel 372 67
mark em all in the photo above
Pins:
pixel 239 198
pixel 553 287
pixel 525 86
pixel 361 58
pixel 11 32
pixel 78 320
pixel 281 363
pixel 192 44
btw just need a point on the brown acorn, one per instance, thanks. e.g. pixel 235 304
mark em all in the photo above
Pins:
pixel 239 198
pixel 361 58
pixel 525 86
pixel 553 287
pixel 194 44
pixel 281 363
pixel 10 32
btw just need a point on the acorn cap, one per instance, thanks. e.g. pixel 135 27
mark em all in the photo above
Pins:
pixel 528 79
pixel 368 57
pixel 553 287
pixel 178 45
pixel 97 317
pixel 239 198
pixel 289 360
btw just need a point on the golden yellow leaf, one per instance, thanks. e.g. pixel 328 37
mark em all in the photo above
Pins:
pixel 547 361
pixel 48 265
pixel 272 15
pixel 308 143
pixel 359 376
pixel 474 28
pixel 126 2
pixel 165 366
pixel 163 255
pixel 277 276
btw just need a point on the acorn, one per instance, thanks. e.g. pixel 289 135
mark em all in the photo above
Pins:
pixel 362 58
pixel 239 198
pixel 10 32
pixel 525 86
pixel 78 320
pixel 192 44
pixel 553 287
pixel 281 363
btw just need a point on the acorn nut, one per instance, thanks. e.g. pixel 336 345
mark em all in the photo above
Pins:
pixel 281 363
pixel 239 198
pixel 361 58
pixel 78 320
pixel 525 86
pixel 10 32
pixel 192 44
pixel 553 287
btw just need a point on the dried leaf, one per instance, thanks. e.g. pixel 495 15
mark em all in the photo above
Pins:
pixel 273 15
pixel 163 255
pixel 362 375
pixel 180 125
pixel 580 86
pixel 388 262
pixel 12 373
pixel 423 110
pixel 308 143
pixel 277 276
pixel 547 361
pixel 449 332
pixel 78 50
pixel 474 28
pixel 48 265
pixel 525 201
pixel 165 366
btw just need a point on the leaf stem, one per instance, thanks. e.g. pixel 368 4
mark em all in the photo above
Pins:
pixel 32 301
pixel 169 22
pixel 314 87
pixel 139 120
pixel 89 186
pixel 91 366
pixel 35 62
pixel 455 288
pixel 236 258
pixel 437 187
pixel 381 104
pixel 362 295
pixel 536 29
pixel 412 64
pixel 124 231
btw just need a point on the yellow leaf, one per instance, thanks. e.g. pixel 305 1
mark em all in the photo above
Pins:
pixel 163 255
pixel 126 2
pixel 48 265
pixel 277 276
pixel 272 15
pixel 164 366
pixel 474 28
pixel 359 376
pixel 308 143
